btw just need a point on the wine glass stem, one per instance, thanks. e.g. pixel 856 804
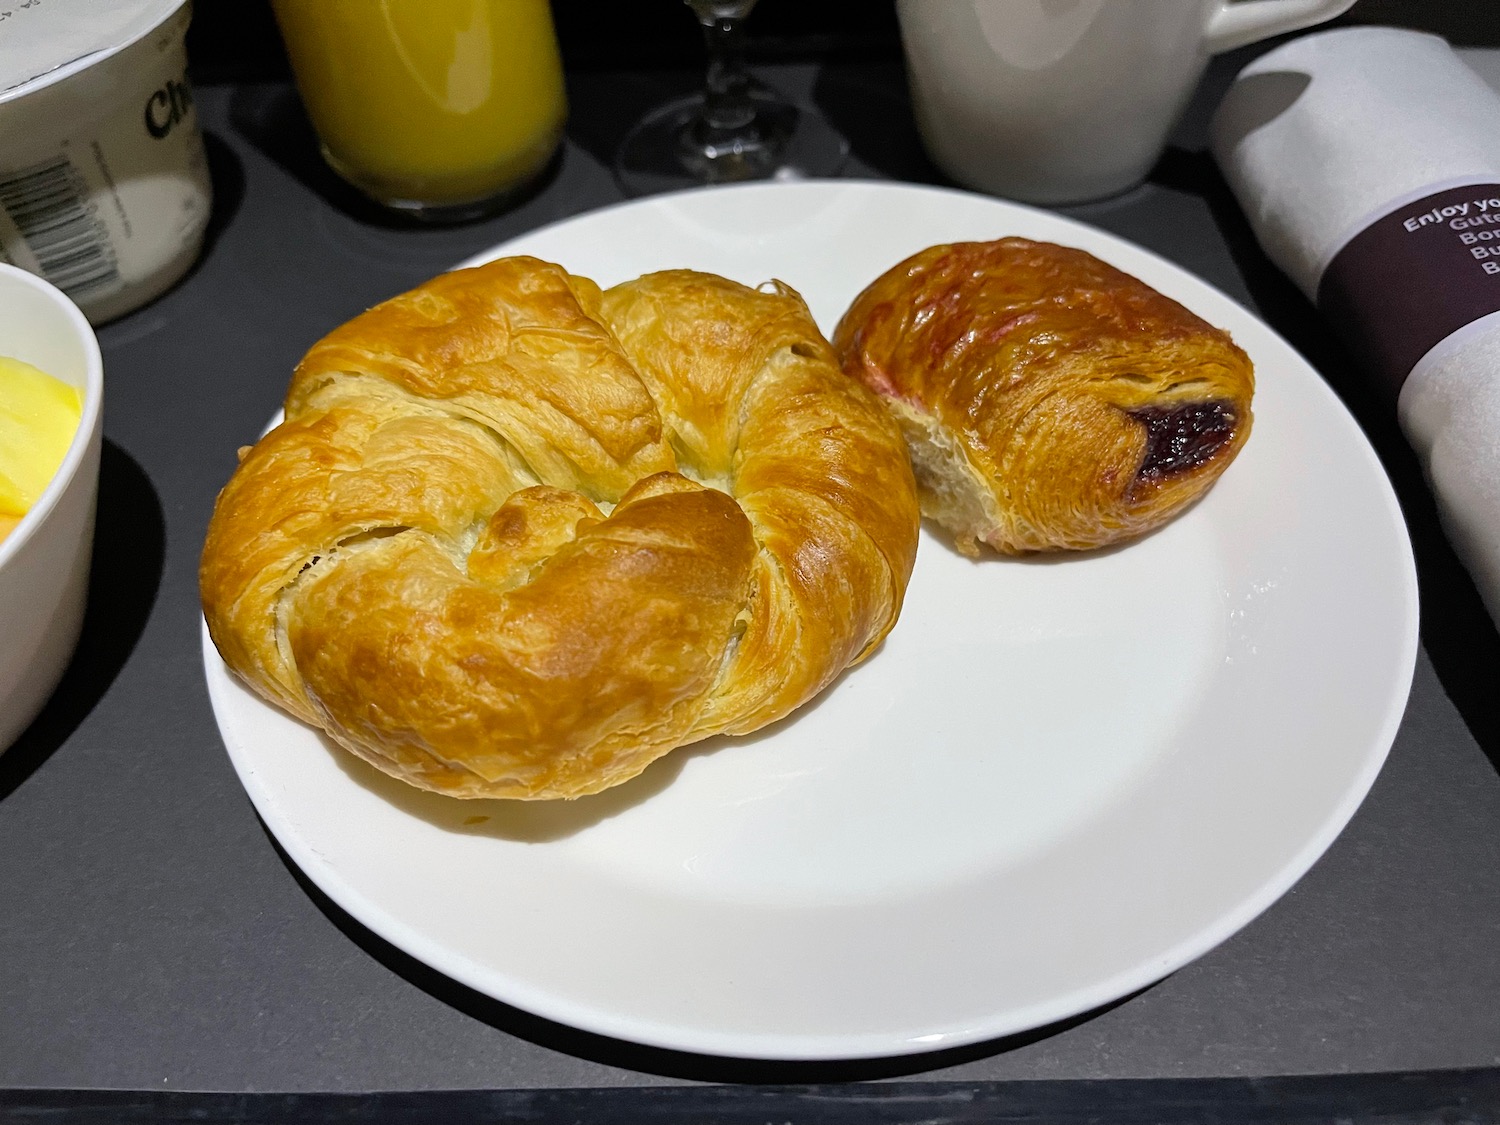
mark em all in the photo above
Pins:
pixel 726 104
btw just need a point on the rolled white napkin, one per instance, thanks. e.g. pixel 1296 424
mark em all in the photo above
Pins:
pixel 1324 136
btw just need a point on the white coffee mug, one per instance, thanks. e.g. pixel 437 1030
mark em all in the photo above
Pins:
pixel 1060 101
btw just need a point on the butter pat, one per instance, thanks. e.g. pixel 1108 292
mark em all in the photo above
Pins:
pixel 38 418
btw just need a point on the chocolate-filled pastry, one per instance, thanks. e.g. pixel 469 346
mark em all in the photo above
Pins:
pixel 519 538
pixel 1049 400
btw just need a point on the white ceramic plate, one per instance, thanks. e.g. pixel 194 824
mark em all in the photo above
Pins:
pixel 1057 782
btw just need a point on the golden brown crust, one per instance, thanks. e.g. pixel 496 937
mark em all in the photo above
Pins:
pixel 520 538
pixel 1052 400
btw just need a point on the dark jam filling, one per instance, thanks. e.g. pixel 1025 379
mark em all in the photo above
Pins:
pixel 1181 438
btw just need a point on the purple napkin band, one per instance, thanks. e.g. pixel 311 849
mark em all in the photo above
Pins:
pixel 1415 276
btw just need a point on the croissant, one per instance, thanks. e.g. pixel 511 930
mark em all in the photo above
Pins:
pixel 1049 400
pixel 519 538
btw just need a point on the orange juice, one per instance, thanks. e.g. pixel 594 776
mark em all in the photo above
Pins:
pixel 429 104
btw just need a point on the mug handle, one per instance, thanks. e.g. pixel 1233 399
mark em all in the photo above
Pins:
pixel 1232 25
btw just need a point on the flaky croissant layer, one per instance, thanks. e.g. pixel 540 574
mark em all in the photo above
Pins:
pixel 1050 400
pixel 518 537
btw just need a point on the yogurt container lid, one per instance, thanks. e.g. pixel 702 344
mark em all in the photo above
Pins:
pixel 44 41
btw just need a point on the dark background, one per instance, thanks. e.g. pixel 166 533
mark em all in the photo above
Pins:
pixel 236 40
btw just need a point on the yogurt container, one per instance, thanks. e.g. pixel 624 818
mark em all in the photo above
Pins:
pixel 104 186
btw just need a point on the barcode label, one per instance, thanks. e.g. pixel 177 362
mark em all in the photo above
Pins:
pixel 48 204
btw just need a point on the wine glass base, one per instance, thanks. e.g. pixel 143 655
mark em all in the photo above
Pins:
pixel 664 152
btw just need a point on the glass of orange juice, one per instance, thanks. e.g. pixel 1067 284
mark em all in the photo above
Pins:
pixel 442 109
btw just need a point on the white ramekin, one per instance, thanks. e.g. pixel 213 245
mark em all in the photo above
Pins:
pixel 44 561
